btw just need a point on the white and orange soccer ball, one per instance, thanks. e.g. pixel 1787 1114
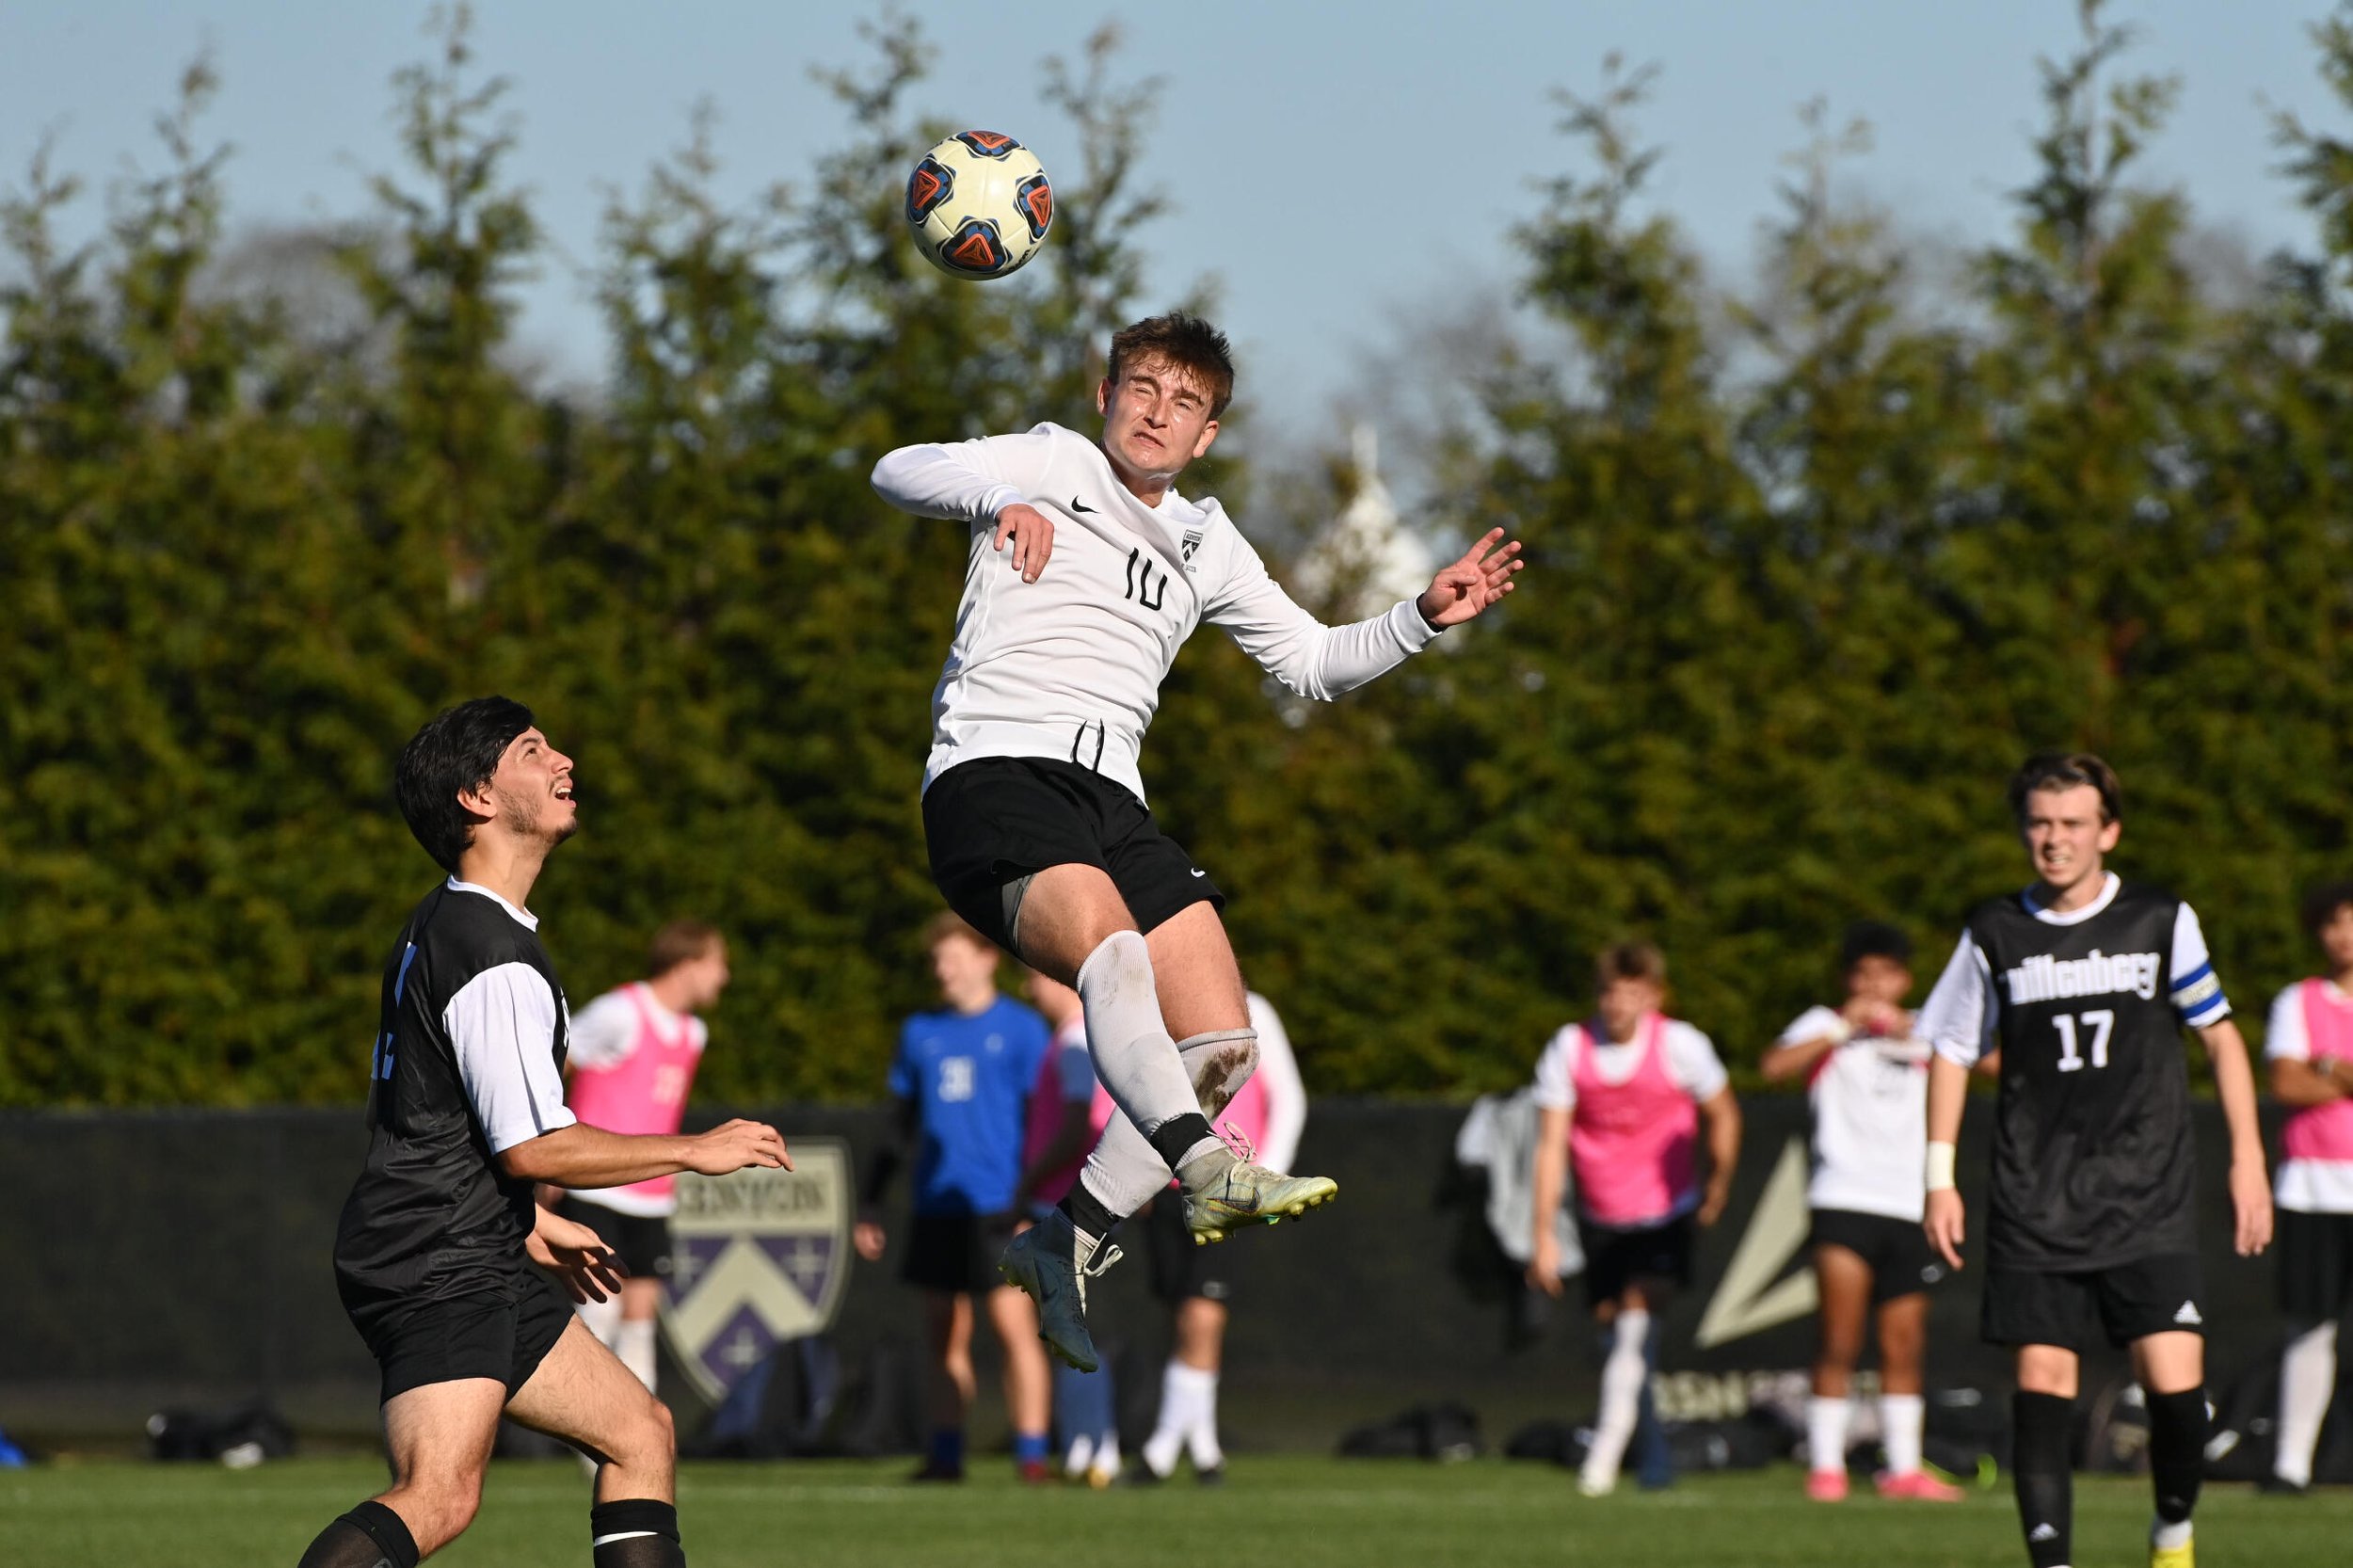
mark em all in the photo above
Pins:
pixel 980 204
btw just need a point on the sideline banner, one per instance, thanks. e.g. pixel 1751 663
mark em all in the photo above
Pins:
pixel 757 1257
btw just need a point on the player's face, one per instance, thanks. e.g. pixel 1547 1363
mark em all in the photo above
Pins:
pixel 1876 978
pixel 531 792
pixel 966 970
pixel 2336 938
pixel 1624 1003
pixel 2065 836
pixel 1155 420
pixel 708 976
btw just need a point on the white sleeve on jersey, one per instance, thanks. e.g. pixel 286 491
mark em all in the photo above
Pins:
pixel 602 1032
pixel 1556 1089
pixel 502 1026
pixel 1962 1014
pixel 2286 1038
pixel 1309 657
pixel 1286 1095
pixel 969 482
pixel 2197 993
pixel 1816 1023
pixel 1693 1061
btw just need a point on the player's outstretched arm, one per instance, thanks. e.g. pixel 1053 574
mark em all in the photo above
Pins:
pixel 1943 1217
pixel 2251 1184
pixel 1482 576
pixel 576 1256
pixel 984 482
pixel 583 1156
pixel 1551 1172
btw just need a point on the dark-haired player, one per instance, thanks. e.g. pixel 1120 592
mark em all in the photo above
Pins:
pixel 1087 571
pixel 2085 982
pixel 2310 1048
pixel 441 1257
pixel 1867 1080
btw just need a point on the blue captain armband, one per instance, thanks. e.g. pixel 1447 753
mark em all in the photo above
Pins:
pixel 2198 997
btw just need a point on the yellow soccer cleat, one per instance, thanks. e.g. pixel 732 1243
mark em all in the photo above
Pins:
pixel 2182 1555
pixel 1225 1192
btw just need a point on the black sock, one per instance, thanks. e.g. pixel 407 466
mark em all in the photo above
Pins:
pixel 2177 1451
pixel 1173 1137
pixel 2040 1426
pixel 635 1533
pixel 370 1536
pixel 1087 1212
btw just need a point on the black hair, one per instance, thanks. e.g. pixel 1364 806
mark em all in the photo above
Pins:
pixel 2066 770
pixel 1873 939
pixel 459 749
pixel 2322 903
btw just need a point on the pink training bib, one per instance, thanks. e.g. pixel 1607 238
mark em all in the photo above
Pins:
pixel 2324 1131
pixel 645 1092
pixel 1633 1146
pixel 1046 1113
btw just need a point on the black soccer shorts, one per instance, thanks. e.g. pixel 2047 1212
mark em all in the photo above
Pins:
pixel 503 1331
pixel 1902 1261
pixel 1181 1268
pixel 1616 1258
pixel 958 1253
pixel 641 1241
pixel 2123 1303
pixel 993 820
pixel 2315 1264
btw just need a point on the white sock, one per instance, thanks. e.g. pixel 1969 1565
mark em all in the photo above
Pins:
pixel 1201 1436
pixel 1826 1432
pixel 603 1318
pixel 1081 1454
pixel 2169 1536
pixel 1125 1170
pixel 633 1343
pixel 2308 1374
pixel 1621 1377
pixel 1901 1418
pixel 1107 1454
pixel 1130 1045
pixel 1178 1402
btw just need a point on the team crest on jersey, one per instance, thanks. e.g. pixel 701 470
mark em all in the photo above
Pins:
pixel 757 1257
pixel 1192 542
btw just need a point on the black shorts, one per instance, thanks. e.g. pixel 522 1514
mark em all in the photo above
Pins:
pixel 642 1241
pixel 1182 1270
pixel 2315 1264
pixel 957 1253
pixel 502 1333
pixel 1897 1251
pixel 2123 1303
pixel 995 820
pixel 1615 1258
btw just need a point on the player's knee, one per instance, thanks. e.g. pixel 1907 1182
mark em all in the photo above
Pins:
pixel 439 1508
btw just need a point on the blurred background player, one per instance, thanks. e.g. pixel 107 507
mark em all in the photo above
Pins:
pixel 1197 1282
pixel 1621 1100
pixel 1068 1110
pixel 1867 1080
pixel 2085 981
pixel 634 1055
pixel 962 1079
pixel 2310 1048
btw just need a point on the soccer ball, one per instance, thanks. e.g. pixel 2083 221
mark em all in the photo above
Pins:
pixel 980 204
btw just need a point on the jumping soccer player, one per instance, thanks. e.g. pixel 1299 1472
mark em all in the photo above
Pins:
pixel 631 1059
pixel 435 1253
pixel 1087 571
pixel 1620 1100
pixel 2085 982
pixel 1867 1079
pixel 2310 1047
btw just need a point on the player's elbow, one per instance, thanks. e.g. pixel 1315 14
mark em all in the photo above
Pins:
pixel 528 1160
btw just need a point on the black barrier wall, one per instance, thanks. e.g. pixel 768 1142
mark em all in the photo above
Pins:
pixel 183 1258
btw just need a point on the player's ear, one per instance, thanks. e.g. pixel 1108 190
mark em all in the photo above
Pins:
pixel 1103 395
pixel 1208 433
pixel 2111 833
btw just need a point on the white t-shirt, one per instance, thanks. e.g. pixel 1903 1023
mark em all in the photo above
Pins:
pixel 1690 1062
pixel 1070 667
pixel 1870 1098
pixel 502 1026
pixel 2307 1186
pixel 605 1030
pixel 1286 1092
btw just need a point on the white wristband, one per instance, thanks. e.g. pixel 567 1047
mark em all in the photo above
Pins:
pixel 1939 1167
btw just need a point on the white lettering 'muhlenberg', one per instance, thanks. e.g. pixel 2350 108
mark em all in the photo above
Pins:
pixel 1070 667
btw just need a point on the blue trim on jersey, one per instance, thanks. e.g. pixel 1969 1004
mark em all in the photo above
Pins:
pixel 2198 996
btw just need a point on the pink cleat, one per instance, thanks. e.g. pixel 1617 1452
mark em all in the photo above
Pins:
pixel 1826 1486
pixel 1918 1486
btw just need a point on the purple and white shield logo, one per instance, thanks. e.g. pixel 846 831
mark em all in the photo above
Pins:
pixel 757 1257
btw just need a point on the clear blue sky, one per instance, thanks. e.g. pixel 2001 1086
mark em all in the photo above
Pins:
pixel 1331 165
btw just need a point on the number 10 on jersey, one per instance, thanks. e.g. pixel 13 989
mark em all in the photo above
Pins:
pixel 2100 1023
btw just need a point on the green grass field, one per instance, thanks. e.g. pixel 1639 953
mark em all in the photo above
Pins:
pixel 1288 1512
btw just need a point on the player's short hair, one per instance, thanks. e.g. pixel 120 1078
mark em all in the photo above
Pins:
pixel 458 749
pixel 949 923
pixel 1873 939
pixel 1185 342
pixel 1629 961
pixel 2323 902
pixel 680 942
pixel 2066 770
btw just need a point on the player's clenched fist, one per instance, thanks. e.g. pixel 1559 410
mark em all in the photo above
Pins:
pixel 733 1145
pixel 1033 536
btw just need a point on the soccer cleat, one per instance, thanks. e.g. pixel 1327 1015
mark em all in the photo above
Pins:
pixel 1829 1486
pixel 932 1470
pixel 1224 1191
pixel 1042 1262
pixel 2277 1486
pixel 1213 1476
pixel 2182 1555
pixel 1596 1486
pixel 1035 1472
pixel 1914 1486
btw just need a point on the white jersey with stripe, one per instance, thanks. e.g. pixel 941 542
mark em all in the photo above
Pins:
pixel 1070 667
pixel 1870 1100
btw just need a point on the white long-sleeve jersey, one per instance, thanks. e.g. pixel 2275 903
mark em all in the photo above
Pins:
pixel 1070 667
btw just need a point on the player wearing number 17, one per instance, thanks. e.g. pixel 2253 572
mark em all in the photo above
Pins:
pixel 2085 982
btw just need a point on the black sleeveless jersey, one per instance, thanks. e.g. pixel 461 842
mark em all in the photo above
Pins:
pixel 2093 1163
pixel 432 1214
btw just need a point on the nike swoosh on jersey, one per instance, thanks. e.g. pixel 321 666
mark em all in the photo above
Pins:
pixel 1201 874
pixel 1077 505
